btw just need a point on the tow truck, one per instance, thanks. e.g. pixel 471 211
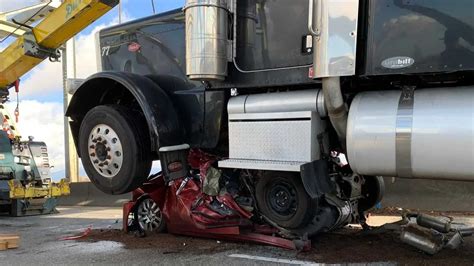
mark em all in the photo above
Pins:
pixel 26 187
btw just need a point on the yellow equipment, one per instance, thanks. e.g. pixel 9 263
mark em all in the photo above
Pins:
pixel 43 40
pixel 52 190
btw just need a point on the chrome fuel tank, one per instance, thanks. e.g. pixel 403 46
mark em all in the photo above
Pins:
pixel 425 133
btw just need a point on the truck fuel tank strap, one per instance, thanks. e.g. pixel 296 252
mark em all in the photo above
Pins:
pixel 404 128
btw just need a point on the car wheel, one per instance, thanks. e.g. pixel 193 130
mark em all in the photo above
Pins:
pixel 282 199
pixel 149 217
pixel 115 149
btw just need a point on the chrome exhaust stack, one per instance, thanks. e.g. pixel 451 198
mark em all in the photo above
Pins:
pixel 330 62
pixel 336 107
pixel 333 22
pixel 207 31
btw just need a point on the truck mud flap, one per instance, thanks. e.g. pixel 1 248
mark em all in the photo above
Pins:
pixel 315 177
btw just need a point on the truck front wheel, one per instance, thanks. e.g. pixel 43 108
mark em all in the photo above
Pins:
pixel 114 148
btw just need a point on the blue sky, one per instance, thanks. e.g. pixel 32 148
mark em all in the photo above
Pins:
pixel 133 9
pixel 41 107
pixel 139 8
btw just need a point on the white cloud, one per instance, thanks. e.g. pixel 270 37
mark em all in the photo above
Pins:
pixel 8 5
pixel 44 121
pixel 44 79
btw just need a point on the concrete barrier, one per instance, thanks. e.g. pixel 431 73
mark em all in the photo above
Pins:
pixel 86 194
pixel 429 195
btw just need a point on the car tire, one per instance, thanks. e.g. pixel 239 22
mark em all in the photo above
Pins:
pixel 115 148
pixel 148 216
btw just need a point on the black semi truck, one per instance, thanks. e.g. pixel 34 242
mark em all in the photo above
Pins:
pixel 315 100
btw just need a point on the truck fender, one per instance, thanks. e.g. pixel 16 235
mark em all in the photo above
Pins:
pixel 128 89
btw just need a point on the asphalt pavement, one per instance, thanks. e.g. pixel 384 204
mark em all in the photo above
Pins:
pixel 42 244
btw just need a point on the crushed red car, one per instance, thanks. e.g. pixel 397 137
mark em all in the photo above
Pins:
pixel 181 207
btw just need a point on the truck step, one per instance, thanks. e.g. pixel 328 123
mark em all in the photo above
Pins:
pixel 291 166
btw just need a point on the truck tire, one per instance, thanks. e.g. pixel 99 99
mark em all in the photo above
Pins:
pixel 373 191
pixel 281 197
pixel 115 149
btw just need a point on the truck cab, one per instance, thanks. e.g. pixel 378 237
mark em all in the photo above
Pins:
pixel 315 100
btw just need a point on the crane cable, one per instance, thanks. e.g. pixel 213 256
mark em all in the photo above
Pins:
pixel 17 109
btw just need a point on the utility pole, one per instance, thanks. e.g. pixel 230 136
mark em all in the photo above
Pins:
pixel 120 11
pixel 153 6
pixel 70 153
pixel 71 158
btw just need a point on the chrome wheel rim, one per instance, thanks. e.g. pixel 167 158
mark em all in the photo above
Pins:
pixel 149 215
pixel 105 150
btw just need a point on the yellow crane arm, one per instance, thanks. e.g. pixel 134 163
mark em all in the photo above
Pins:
pixel 44 39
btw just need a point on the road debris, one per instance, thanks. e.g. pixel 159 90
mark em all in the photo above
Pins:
pixel 9 241
pixel 348 245
pixel 431 234
pixel 85 233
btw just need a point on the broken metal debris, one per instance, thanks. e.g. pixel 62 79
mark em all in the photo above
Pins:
pixel 85 233
pixel 431 234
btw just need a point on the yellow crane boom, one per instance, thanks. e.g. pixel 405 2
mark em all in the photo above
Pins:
pixel 43 40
